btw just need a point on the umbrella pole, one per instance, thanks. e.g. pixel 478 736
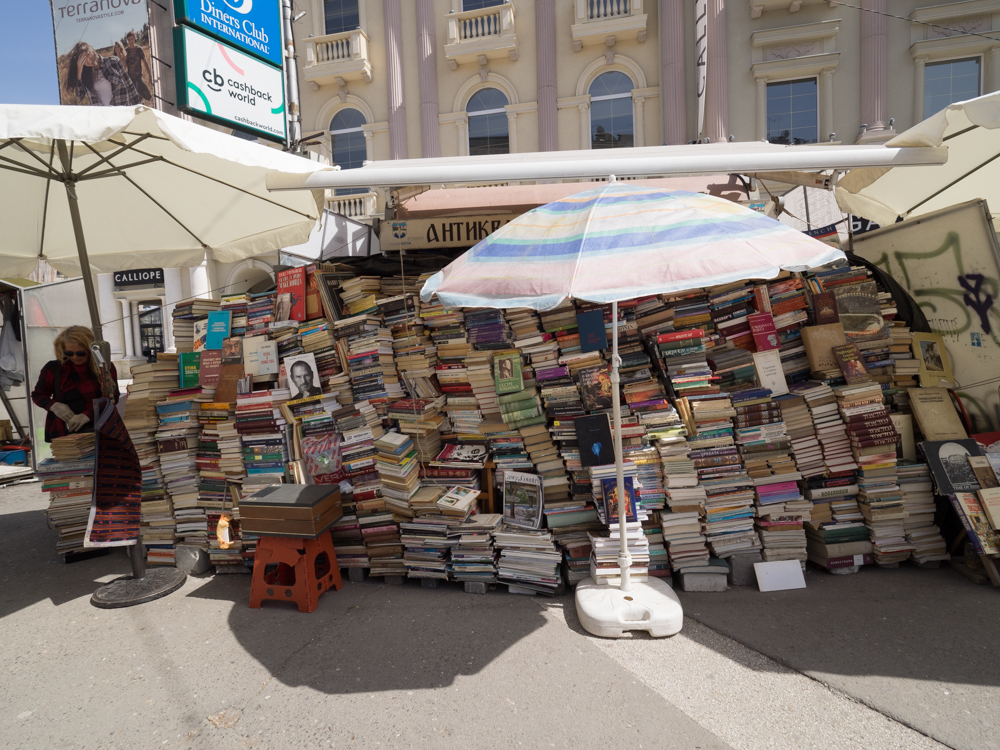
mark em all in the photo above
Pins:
pixel 624 559
pixel 138 587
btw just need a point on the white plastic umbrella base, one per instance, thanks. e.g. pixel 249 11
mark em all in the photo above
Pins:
pixel 608 611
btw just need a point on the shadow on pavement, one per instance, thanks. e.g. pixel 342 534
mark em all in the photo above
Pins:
pixel 904 623
pixel 31 571
pixel 371 637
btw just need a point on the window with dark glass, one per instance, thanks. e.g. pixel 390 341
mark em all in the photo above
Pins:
pixel 151 327
pixel 341 15
pixel 488 128
pixel 347 143
pixel 478 4
pixel 949 82
pixel 792 115
pixel 611 118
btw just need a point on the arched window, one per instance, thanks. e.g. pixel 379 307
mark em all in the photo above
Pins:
pixel 488 133
pixel 347 143
pixel 480 4
pixel 611 122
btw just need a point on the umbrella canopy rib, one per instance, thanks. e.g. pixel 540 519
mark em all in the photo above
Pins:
pixel 113 170
pixel 35 156
pixel 109 157
pixel 45 206
pixel 952 184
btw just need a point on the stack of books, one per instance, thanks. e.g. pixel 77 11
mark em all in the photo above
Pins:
pixel 68 483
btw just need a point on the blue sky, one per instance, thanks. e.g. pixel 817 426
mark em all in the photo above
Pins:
pixel 27 54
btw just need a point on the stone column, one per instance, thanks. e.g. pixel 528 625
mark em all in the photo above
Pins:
pixel 918 88
pixel 993 70
pixel 761 109
pixel 369 145
pixel 463 138
pixel 136 332
pixel 110 312
pixel 585 125
pixel 430 130
pixel 873 63
pixel 826 104
pixel 672 67
pixel 129 347
pixel 512 131
pixel 394 78
pixel 639 120
pixel 545 67
pixel 201 286
pixel 717 94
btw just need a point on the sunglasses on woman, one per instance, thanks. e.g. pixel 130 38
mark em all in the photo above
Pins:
pixel 75 354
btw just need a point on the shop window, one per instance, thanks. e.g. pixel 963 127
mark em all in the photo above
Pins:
pixel 479 4
pixel 341 16
pixel 792 116
pixel 488 127
pixel 151 327
pixel 611 119
pixel 347 143
pixel 949 82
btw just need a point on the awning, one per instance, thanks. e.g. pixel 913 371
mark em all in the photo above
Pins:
pixel 969 132
pixel 517 199
pixel 702 159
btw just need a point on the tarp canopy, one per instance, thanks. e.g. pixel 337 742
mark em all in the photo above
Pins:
pixel 153 189
pixel 967 130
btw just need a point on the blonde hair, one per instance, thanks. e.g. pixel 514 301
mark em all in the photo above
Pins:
pixel 119 45
pixel 81 336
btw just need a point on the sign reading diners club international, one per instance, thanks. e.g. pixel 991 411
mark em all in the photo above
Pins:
pixel 148 277
pixel 442 231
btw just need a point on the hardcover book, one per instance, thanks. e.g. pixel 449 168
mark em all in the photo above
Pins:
pixel 522 499
pixel 188 362
pixel 977 525
pixel 593 334
pixel 507 372
pixel 593 433
pixel 200 334
pixel 765 336
pixel 595 388
pixel 860 312
pixel 609 493
pixel 292 281
pixel 209 368
pixel 935 414
pixel 218 328
pixel 819 342
pixel 948 461
pixel 825 308
pixel 851 364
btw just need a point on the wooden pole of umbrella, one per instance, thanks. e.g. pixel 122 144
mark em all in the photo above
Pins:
pixel 142 586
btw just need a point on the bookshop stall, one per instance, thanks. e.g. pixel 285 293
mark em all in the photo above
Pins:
pixel 792 419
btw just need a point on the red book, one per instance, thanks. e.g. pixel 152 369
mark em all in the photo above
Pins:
pixel 765 337
pixel 761 299
pixel 695 333
pixel 292 281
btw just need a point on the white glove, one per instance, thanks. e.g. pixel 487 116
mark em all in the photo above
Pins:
pixel 62 411
pixel 78 421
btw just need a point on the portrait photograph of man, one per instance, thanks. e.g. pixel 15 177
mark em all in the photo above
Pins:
pixel 303 376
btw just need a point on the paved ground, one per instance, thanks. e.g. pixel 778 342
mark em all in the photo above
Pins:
pixel 383 666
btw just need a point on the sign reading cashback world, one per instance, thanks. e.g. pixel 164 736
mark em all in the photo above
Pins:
pixel 252 25
pixel 222 84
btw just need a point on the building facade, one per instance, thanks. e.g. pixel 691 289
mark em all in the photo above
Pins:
pixel 392 79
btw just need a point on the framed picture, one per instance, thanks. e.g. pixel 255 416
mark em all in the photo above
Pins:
pixel 522 499
pixel 329 295
pixel 935 365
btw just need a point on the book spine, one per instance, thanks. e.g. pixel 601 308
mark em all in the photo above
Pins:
pixel 965 522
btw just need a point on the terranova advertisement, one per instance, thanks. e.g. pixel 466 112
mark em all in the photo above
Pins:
pixel 220 83
pixel 102 52
pixel 252 25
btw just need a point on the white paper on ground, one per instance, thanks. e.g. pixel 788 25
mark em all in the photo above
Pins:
pixel 780 575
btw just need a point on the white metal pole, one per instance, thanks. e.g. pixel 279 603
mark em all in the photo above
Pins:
pixel 624 559
pixel 292 113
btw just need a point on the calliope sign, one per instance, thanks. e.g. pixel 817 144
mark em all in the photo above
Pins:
pixel 139 277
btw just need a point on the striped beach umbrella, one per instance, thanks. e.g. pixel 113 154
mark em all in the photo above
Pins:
pixel 621 241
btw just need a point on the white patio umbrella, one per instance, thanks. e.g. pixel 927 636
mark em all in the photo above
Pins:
pixel 969 131
pixel 99 189
pixel 114 188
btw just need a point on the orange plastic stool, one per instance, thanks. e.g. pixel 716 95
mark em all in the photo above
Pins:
pixel 305 569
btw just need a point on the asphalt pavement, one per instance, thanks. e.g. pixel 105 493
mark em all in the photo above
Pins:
pixel 402 666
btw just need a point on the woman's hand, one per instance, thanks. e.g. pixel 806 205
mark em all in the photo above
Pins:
pixel 63 412
pixel 78 421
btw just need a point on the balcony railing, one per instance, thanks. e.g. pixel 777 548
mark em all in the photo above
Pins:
pixel 337 58
pixel 359 206
pixel 607 22
pixel 486 33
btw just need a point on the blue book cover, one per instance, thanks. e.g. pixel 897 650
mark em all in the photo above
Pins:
pixel 593 334
pixel 218 328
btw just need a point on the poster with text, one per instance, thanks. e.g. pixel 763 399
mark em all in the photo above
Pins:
pixel 102 52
